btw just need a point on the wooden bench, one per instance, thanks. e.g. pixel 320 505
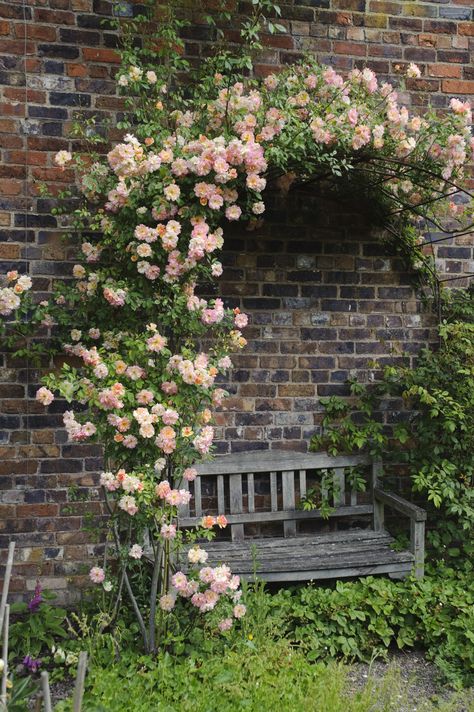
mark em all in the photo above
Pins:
pixel 257 490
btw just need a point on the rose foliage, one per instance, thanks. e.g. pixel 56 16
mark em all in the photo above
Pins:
pixel 145 352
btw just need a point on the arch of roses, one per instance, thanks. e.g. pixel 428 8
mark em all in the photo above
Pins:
pixel 151 223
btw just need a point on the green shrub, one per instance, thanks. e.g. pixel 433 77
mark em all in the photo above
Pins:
pixel 436 441
pixel 363 618
pixel 270 676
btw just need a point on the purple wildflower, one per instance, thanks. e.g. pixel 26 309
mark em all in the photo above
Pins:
pixel 31 664
pixel 37 599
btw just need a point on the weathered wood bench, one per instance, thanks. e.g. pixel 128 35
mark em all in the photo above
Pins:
pixel 257 490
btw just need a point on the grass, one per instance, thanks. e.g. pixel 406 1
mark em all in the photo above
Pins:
pixel 270 677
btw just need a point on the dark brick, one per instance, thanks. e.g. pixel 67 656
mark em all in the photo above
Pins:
pixel 47 112
pixel 62 51
pixel 52 67
pixel 68 99
pixel 30 220
pixel 280 290
pixel 256 303
pixel 80 37
pixel 90 21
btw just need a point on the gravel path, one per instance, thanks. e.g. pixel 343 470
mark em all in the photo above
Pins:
pixel 420 683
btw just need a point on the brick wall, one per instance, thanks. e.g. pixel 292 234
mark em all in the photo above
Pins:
pixel 326 300
pixel 323 297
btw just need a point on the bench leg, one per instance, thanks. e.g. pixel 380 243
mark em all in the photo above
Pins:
pixel 417 546
pixel 379 516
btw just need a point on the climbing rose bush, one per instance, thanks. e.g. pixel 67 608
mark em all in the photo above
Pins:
pixel 146 352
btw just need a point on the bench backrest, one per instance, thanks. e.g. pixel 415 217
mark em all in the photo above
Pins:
pixel 284 476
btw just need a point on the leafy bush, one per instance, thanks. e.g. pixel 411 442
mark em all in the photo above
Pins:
pixel 363 618
pixel 36 625
pixel 437 440
pixel 248 677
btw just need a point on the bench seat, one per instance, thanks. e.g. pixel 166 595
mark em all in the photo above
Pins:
pixel 342 554
pixel 262 495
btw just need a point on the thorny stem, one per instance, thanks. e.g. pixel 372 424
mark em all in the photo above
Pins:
pixel 153 597
pixel 133 600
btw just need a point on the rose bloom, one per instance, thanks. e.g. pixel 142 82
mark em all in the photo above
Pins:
pixel 172 192
pixel 239 610
pixel 208 522
pixel 241 321
pixel 168 531
pixel 78 272
pixel 196 555
pixel 128 504
pixel 144 397
pixel 167 602
pixel 62 157
pixel 225 624
pixel 96 574
pixel 216 269
pixel 163 489
pixel 413 71
pixel 233 212
pixel 136 552
pixel 44 396
pixel 221 521
pixel 169 387
pixel 190 474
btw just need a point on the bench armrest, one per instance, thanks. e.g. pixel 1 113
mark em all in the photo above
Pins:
pixel 400 504
pixel 417 517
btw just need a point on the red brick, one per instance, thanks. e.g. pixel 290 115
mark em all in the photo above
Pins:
pixel 37 510
pixel 17 47
pixel 427 40
pixel 4 28
pixel 7 126
pixel 10 187
pixel 344 19
pixel 445 70
pixel 387 8
pixel 15 109
pixel 8 251
pixel 35 32
pixel 356 5
pixel 360 50
pixel 466 28
pixel 36 158
pixel 20 94
pixel 457 86
pixel 32 64
pixel 280 41
pixel 77 70
pixel 94 54
pixel 55 17
pixel 9 141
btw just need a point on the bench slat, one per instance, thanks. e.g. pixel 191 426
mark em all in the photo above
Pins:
pixel 336 538
pixel 282 516
pixel 339 487
pixel 235 493
pixel 250 492
pixel 302 484
pixel 273 491
pixel 220 495
pixel 361 552
pixel 277 462
pixel 288 489
pixel 197 497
